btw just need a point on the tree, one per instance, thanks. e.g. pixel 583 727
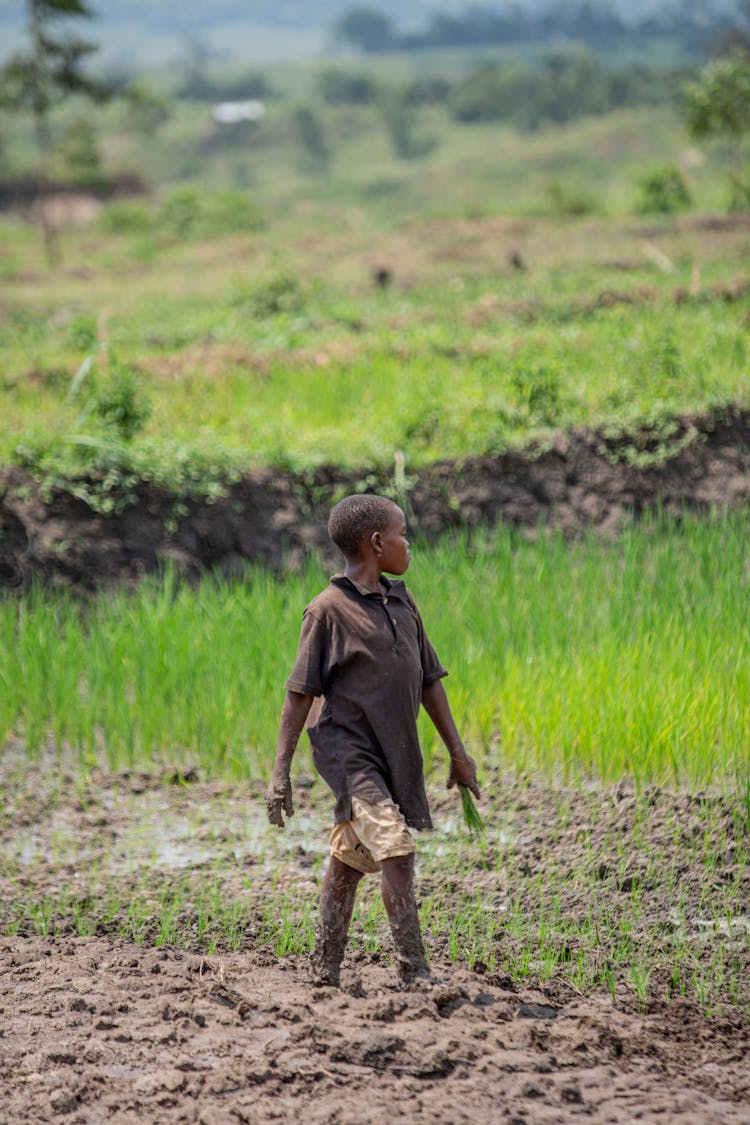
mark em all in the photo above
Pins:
pixel 312 136
pixel 37 79
pixel 366 29
pixel 146 110
pixel 718 105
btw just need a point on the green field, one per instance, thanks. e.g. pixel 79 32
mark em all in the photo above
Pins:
pixel 646 678
pixel 256 350
pixel 233 319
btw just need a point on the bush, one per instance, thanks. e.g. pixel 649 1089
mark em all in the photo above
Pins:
pixel 119 402
pixel 538 395
pixel 82 332
pixel 312 136
pixel 188 212
pixel 662 191
pixel 281 294
pixel 567 203
pixel 342 87
pixel 125 218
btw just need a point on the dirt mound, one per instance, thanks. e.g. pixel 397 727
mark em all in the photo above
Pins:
pixel 582 479
pixel 98 1029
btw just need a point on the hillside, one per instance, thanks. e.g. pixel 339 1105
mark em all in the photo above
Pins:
pixel 145 33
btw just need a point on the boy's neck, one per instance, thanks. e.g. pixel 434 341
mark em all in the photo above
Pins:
pixel 364 572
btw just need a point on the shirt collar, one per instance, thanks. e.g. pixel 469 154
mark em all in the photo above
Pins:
pixel 393 587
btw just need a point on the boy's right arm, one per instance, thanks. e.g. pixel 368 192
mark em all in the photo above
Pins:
pixel 279 794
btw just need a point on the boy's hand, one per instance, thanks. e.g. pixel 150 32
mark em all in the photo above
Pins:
pixel 463 771
pixel 279 800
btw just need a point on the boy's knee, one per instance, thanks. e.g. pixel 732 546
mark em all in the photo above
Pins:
pixel 399 863
pixel 398 872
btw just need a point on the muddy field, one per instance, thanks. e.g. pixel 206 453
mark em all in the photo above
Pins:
pixel 97 1029
pixel 111 1014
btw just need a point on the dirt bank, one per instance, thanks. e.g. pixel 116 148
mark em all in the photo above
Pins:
pixel 582 479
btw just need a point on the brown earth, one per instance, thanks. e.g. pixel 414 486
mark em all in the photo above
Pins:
pixel 580 479
pixel 99 1028
pixel 96 1029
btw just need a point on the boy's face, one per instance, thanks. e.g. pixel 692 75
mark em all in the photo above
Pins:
pixel 395 555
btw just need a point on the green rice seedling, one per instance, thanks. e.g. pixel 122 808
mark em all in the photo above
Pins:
pixel 472 817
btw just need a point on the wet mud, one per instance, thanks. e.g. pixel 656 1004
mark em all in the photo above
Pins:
pixel 580 479
pixel 96 1029
pixel 202 1023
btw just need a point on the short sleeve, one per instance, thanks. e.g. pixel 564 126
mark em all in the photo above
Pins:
pixel 310 671
pixel 432 667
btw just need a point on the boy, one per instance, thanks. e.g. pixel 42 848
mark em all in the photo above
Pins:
pixel 363 648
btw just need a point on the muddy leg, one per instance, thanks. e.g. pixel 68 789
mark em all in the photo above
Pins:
pixel 336 904
pixel 401 907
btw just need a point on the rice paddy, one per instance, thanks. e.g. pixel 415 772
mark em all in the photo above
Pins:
pixel 585 659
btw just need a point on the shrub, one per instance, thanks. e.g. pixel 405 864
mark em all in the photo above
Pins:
pixel 125 218
pixel 662 191
pixel 119 402
pixel 342 87
pixel 188 212
pixel 568 203
pixel 82 332
pixel 280 294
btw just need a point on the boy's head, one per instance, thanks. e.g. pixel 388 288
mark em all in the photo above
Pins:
pixel 364 524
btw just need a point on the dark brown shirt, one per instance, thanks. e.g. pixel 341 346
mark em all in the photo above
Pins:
pixel 368 655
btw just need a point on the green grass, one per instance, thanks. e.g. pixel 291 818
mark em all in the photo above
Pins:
pixel 275 346
pixel 267 363
pixel 585 659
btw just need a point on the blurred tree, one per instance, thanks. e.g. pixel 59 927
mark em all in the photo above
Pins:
pixel 343 87
pixel 718 105
pixel 312 136
pixel 366 29
pixel 400 122
pixel 735 40
pixel 146 110
pixel 35 80
pixel 77 154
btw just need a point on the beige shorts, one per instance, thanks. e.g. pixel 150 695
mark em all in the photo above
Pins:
pixel 375 832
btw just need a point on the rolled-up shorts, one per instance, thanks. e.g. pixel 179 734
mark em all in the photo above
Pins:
pixel 375 832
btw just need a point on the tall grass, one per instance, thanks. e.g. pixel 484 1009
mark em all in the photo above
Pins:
pixel 591 658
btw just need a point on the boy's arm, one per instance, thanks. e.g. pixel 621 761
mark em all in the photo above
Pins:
pixel 279 793
pixel 463 771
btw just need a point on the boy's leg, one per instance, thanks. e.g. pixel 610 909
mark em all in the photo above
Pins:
pixel 401 907
pixel 336 904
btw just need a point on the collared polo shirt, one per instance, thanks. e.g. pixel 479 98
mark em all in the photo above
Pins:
pixel 369 657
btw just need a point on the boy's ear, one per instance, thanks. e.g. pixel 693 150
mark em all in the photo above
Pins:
pixel 376 542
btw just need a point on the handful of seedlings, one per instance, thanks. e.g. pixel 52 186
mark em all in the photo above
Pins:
pixel 472 816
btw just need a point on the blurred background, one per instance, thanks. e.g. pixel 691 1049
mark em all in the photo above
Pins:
pixel 385 110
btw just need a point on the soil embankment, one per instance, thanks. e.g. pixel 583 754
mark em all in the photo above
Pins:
pixel 582 479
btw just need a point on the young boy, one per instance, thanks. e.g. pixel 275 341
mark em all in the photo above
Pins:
pixel 364 650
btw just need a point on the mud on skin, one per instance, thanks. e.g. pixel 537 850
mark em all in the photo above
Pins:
pixel 214 1025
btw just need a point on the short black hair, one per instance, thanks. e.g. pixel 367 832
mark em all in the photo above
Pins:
pixel 354 517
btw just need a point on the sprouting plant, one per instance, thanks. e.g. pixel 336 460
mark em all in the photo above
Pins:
pixel 472 817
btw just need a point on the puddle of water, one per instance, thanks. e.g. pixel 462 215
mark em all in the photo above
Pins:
pixel 154 838
pixel 729 927
pixel 146 832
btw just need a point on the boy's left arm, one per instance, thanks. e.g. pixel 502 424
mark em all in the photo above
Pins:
pixel 463 770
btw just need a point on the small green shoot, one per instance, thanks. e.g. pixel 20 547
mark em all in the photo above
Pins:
pixel 472 816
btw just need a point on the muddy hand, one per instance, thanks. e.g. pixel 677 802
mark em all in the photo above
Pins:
pixel 279 800
pixel 463 771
